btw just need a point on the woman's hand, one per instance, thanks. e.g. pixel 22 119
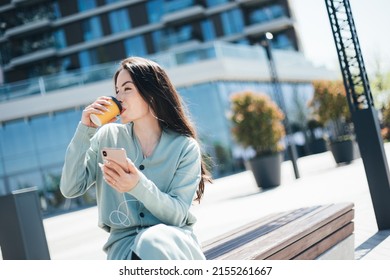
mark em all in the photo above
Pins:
pixel 97 107
pixel 118 178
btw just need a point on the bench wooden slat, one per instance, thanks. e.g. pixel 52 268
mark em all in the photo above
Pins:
pixel 235 239
pixel 295 248
pixel 266 245
pixel 284 235
pixel 219 240
pixel 327 243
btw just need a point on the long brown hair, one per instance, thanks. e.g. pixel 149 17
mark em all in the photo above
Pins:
pixel 158 91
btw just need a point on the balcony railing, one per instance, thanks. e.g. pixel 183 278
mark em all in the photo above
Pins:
pixel 48 84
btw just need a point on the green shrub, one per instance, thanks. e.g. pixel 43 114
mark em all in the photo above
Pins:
pixel 257 122
pixel 330 108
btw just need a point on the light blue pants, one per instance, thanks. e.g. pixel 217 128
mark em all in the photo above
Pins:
pixel 159 242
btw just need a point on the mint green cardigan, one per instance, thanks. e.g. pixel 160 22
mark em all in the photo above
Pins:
pixel 164 193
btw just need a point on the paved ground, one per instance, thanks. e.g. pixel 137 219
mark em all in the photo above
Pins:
pixel 235 200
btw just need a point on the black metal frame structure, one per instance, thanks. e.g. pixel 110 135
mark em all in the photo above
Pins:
pixel 361 105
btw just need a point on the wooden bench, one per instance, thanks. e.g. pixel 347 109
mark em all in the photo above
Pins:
pixel 305 233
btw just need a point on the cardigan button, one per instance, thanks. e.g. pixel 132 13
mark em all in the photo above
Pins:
pixel 141 167
pixel 141 214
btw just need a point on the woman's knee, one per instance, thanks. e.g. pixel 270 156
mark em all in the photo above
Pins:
pixel 154 236
pixel 165 242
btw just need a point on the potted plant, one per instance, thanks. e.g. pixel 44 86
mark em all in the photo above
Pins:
pixel 329 106
pixel 257 124
pixel 316 137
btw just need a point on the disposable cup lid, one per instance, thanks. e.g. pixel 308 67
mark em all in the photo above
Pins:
pixel 117 103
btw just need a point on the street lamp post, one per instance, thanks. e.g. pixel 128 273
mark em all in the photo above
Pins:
pixel 278 96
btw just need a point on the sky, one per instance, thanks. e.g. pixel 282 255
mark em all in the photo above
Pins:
pixel 372 22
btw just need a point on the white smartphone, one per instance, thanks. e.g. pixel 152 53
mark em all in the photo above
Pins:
pixel 116 154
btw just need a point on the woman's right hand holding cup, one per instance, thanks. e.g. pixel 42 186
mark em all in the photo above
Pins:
pixel 98 107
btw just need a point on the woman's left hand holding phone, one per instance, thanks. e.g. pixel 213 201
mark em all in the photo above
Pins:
pixel 118 178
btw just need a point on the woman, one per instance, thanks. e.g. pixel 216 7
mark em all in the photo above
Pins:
pixel 145 207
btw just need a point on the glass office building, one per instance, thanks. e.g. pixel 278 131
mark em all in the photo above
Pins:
pixel 36 127
pixel 58 56
pixel 43 37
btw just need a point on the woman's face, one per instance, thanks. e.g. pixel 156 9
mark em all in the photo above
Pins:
pixel 134 106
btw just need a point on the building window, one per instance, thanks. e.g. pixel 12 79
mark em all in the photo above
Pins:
pixel 232 22
pixel 85 5
pixel 282 41
pixel 154 10
pixel 56 10
pixel 26 161
pixel 266 14
pixel 18 152
pixel 166 38
pixel 92 28
pixel 177 5
pixel 208 30
pixel 180 35
pixel 88 58
pixel 213 3
pixel 157 38
pixel 65 64
pixel 60 39
pixel 135 46
pixel 119 20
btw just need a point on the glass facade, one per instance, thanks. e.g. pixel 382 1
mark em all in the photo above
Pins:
pixel 60 39
pixel 232 21
pixel 154 10
pixel 56 10
pixel 208 30
pixel 171 6
pixel 119 20
pixel 213 3
pixel 88 58
pixel 30 146
pixel 85 5
pixel 209 106
pixel 157 38
pixel 91 28
pixel 282 41
pixel 70 25
pixel 164 39
pixel 32 154
pixel 135 46
pixel 266 14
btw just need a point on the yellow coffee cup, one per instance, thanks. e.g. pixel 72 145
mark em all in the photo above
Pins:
pixel 114 109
